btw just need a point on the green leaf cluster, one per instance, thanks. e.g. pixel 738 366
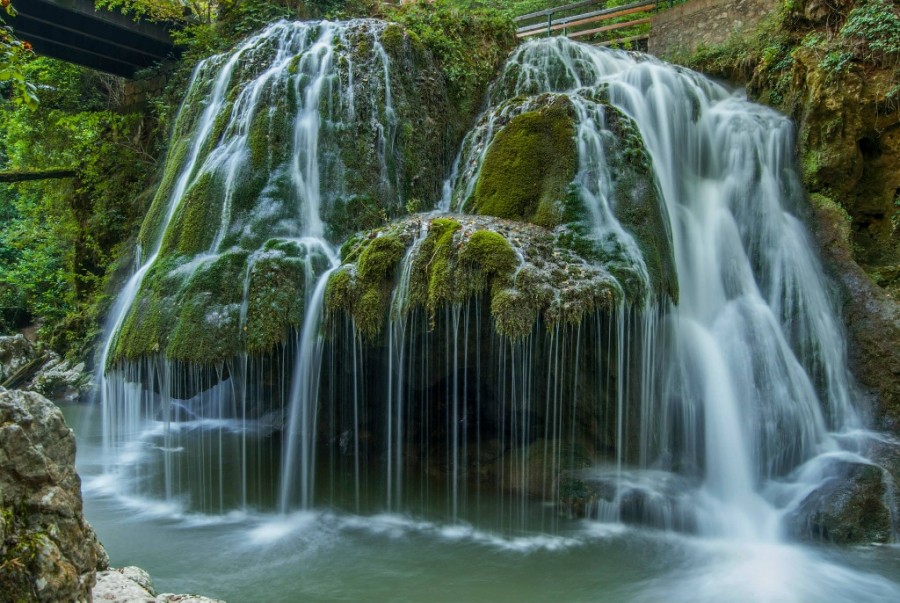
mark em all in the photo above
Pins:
pixel 60 237
pixel 14 54
pixel 469 43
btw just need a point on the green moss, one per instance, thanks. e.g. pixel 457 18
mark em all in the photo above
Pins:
pixel 529 166
pixel 275 301
pixel 365 291
pixel 150 227
pixel 339 293
pixel 206 327
pixel 491 252
pixel 392 39
pixel 380 258
pixel 639 208
pixel 441 284
pixel 195 221
pixel 514 313
pixel 19 548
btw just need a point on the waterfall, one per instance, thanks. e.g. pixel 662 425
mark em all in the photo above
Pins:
pixel 269 201
pixel 756 346
pixel 659 344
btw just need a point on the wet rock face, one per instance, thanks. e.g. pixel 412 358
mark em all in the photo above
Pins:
pixel 872 315
pixel 852 507
pixel 649 498
pixel 48 552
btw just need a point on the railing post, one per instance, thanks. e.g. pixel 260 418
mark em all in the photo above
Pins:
pixel 549 25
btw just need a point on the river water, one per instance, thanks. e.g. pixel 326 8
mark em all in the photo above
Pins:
pixel 324 556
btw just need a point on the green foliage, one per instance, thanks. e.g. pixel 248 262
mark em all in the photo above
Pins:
pixel 59 237
pixel 469 43
pixel 873 29
pixel 163 10
pixel 14 55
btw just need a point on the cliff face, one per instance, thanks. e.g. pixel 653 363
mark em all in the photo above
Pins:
pixel 48 551
pixel 835 68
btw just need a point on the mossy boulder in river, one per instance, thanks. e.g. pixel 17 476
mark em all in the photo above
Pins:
pixel 303 134
pixel 432 262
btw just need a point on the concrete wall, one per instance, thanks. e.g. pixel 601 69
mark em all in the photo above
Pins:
pixel 708 22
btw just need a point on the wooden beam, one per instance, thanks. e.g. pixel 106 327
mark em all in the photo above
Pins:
pixel 587 32
pixel 27 175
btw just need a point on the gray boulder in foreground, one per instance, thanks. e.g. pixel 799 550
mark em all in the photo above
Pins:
pixel 133 585
pixel 48 552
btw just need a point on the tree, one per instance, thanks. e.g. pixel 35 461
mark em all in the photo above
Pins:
pixel 164 10
pixel 13 55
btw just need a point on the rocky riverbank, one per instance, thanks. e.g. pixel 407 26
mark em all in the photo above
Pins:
pixel 48 551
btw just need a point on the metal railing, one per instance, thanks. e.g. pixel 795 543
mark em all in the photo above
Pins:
pixel 560 20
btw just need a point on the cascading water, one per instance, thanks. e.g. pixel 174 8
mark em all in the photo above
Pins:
pixel 658 347
pixel 306 69
pixel 753 342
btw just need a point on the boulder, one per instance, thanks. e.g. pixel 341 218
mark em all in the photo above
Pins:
pixel 48 552
pixel 133 585
pixel 647 497
pixel 15 353
pixel 58 377
pixel 852 506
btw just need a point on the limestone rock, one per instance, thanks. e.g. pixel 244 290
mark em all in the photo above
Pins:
pixel 133 585
pixel 15 352
pixel 58 377
pixel 170 598
pixel 48 552
pixel 873 317
pixel 115 586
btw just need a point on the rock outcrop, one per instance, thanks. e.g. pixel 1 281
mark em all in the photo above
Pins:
pixel 16 353
pixel 48 552
pixel 133 585
pixel 853 506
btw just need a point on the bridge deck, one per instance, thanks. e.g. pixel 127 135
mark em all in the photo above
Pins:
pixel 71 30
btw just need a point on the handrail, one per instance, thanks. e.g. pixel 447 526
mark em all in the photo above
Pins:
pixel 623 40
pixel 557 9
pixel 599 15
pixel 587 32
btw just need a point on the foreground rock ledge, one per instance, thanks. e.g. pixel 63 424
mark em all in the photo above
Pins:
pixel 133 585
pixel 48 551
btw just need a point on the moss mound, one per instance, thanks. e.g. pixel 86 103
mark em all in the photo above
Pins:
pixel 426 262
pixel 529 166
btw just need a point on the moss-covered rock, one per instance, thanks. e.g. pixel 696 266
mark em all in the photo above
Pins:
pixel 529 165
pixel 431 263
pixel 523 161
pixel 848 508
pixel 235 261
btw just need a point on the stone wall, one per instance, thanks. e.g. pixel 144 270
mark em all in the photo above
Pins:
pixel 138 90
pixel 708 22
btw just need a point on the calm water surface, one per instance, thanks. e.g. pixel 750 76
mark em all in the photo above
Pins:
pixel 329 555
